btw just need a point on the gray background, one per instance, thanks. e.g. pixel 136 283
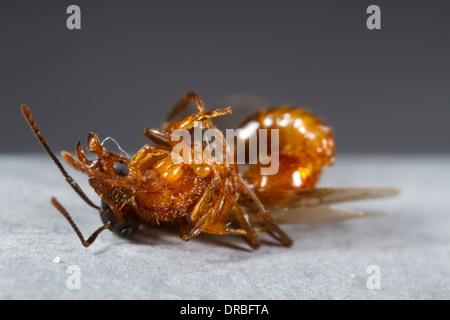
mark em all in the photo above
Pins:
pixel 382 90
pixel 410 243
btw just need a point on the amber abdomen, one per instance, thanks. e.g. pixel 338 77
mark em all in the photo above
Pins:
pixel 306 144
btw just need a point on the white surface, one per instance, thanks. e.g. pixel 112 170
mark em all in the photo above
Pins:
pixel 410 244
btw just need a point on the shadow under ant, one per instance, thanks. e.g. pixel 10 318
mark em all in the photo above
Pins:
pixel 154 235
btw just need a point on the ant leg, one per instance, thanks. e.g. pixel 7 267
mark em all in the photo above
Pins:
pixel 184 226
pixel 197 228
pixel 210 220
pixel 228 201
pixel 182 104
pixel 197 217
pixel 206 115
pixel 92 238
pixel 250 232
pixel 219 228
pixel 244 220
pixel 157 136
pixel 223 229
pixel 204 225
pixel 272 227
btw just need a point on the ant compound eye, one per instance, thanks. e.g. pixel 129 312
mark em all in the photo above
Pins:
pixel 127 231
pixel 121 168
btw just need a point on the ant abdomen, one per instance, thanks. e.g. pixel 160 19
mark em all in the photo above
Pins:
pixel 305 144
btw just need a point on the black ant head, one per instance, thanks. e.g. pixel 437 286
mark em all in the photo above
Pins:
pixel 124 226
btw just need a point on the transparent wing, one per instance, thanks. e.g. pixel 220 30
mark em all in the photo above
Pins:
pixel 323 196
pixel 312 205
pixel 317 214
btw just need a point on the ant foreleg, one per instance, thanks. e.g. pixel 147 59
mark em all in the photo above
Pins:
pixel 272 227
pixel 210 221
pixel 92 238
pixel 182 104
pixel 184 226
pixel 157 136
pixel 187 234
pixel 203 225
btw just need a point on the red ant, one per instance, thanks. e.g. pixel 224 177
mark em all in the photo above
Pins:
pixel 151 188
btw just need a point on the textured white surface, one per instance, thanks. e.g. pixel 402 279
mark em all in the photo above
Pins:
pixel 410 244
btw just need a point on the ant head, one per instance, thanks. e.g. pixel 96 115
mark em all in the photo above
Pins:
pixel 125 225
pixel 111 176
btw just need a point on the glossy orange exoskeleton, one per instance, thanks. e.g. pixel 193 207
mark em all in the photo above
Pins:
pixel 217 198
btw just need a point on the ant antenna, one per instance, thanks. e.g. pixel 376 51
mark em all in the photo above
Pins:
pixel 117 144
pixel 91 239
pixel 38 134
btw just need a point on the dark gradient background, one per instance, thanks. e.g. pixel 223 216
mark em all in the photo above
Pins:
pixel 382 90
